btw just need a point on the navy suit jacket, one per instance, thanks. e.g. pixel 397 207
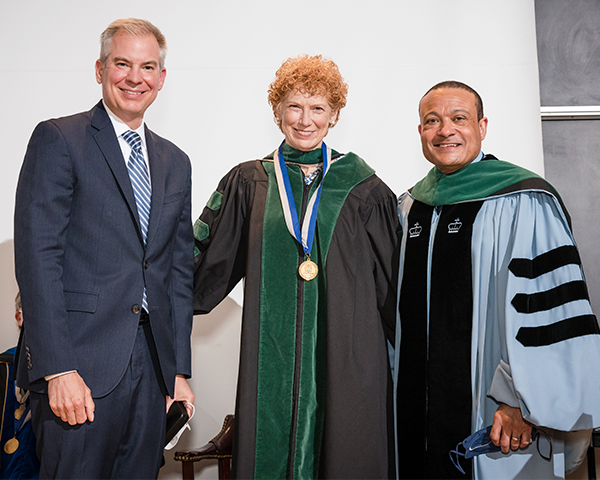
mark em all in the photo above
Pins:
pixel 80 261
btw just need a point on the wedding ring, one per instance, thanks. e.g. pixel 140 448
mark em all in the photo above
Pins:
pixel 516 439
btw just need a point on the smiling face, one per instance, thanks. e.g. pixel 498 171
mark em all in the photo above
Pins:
pixel 131 77
pixel 305 120
pixel 451 135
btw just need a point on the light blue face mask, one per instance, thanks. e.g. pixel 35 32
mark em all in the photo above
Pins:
pixel 480 442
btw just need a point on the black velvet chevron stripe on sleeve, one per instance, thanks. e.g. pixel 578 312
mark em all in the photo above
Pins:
pixel 546 262
pixel 541 301
pixel 559 331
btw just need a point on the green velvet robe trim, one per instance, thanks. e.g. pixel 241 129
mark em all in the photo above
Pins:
pixel 475 181
pixel 215 200
pixel 280 287
pixel 201 231
pixel 298 156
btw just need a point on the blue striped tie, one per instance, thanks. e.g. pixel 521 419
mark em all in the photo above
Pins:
pixel 138 173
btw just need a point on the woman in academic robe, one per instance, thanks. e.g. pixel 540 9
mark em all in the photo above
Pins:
pixel 314 234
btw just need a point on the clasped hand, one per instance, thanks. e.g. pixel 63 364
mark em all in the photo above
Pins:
pixel 509 430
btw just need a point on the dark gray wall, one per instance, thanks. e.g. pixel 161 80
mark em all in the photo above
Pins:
pixel 568 35
pixel 572 162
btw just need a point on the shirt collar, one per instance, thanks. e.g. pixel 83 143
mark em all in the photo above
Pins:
pixel 121 127
pixel 479 157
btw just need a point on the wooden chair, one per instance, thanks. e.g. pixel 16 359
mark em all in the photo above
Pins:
pixel 219 447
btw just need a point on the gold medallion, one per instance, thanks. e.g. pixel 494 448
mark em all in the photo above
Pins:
pixel 308 269
pixel 20 411
pixel 11 446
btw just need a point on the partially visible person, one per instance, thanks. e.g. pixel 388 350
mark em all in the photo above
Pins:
pixel 495 324
pixel 104 260
pixel 313 232
pixel 18 456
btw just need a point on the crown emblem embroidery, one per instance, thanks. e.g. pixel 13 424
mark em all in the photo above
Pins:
pixel 415 231
pixel 455 226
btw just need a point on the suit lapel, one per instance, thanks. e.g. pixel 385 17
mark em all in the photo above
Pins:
pixel 157 163
pixel 109 145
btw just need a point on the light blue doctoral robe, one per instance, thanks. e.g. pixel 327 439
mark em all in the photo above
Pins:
pixel 556 386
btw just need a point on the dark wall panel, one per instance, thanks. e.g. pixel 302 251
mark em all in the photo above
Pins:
pixel 568 41
pixel 572 161
pixel 568 35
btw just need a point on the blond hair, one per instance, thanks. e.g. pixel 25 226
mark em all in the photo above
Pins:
pixel 136 28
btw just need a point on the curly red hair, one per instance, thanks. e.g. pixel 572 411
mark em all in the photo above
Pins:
pixel 313 75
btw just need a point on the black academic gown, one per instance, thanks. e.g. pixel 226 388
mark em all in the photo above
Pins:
pixel 313 395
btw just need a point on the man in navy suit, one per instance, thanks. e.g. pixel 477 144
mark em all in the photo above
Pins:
pixel 106 290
